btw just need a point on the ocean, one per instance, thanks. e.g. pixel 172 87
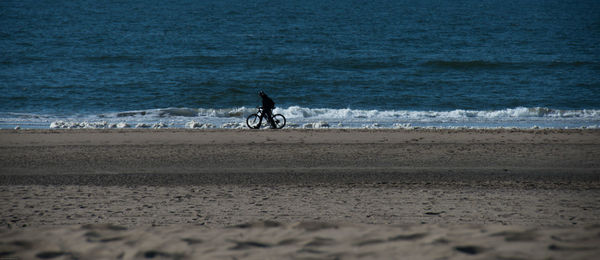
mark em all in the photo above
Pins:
pixel 341 64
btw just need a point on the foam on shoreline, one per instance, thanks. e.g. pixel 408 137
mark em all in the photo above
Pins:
pixel 302 117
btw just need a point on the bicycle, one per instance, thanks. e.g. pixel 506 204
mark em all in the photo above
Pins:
pixel 254 121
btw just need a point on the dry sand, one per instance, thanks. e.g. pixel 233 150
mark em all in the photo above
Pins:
pixel 304 240
pixel 324 194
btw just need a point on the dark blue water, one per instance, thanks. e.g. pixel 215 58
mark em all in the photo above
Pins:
pixel 95 57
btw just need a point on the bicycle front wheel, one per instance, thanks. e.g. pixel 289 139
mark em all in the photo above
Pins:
pixel 279 120
pixel 253 121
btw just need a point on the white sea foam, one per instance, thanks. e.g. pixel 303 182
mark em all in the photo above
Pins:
pixel 122 125
pixel 519 112
pixel 317 125
pixel 193 124
pixel 302 117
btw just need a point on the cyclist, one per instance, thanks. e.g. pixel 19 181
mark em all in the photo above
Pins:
pixel 268 105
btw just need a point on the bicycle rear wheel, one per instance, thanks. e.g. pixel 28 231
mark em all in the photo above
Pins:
pixel 253 121
pixel 279 121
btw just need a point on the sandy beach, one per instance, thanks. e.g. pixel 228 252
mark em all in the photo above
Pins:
pixel 320 194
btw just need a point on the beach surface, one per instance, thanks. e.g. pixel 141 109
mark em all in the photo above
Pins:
pixel 325 194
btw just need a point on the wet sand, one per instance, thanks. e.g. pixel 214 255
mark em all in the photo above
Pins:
pixel 511 194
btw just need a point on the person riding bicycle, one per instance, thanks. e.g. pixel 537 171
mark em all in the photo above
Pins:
pixel 268 105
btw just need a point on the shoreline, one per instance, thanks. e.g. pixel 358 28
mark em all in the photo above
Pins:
pixel 418 129
pixel 311 118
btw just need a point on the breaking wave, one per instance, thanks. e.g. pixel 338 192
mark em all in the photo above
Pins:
pixel 347 113
pixel 521 117
pixel 510 113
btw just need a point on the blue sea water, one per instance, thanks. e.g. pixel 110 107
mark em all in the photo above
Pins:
pixel 474 63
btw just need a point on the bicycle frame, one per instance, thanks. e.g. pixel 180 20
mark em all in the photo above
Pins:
pixel 262 115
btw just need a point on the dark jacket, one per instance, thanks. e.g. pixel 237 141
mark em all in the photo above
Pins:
pixel 267 102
